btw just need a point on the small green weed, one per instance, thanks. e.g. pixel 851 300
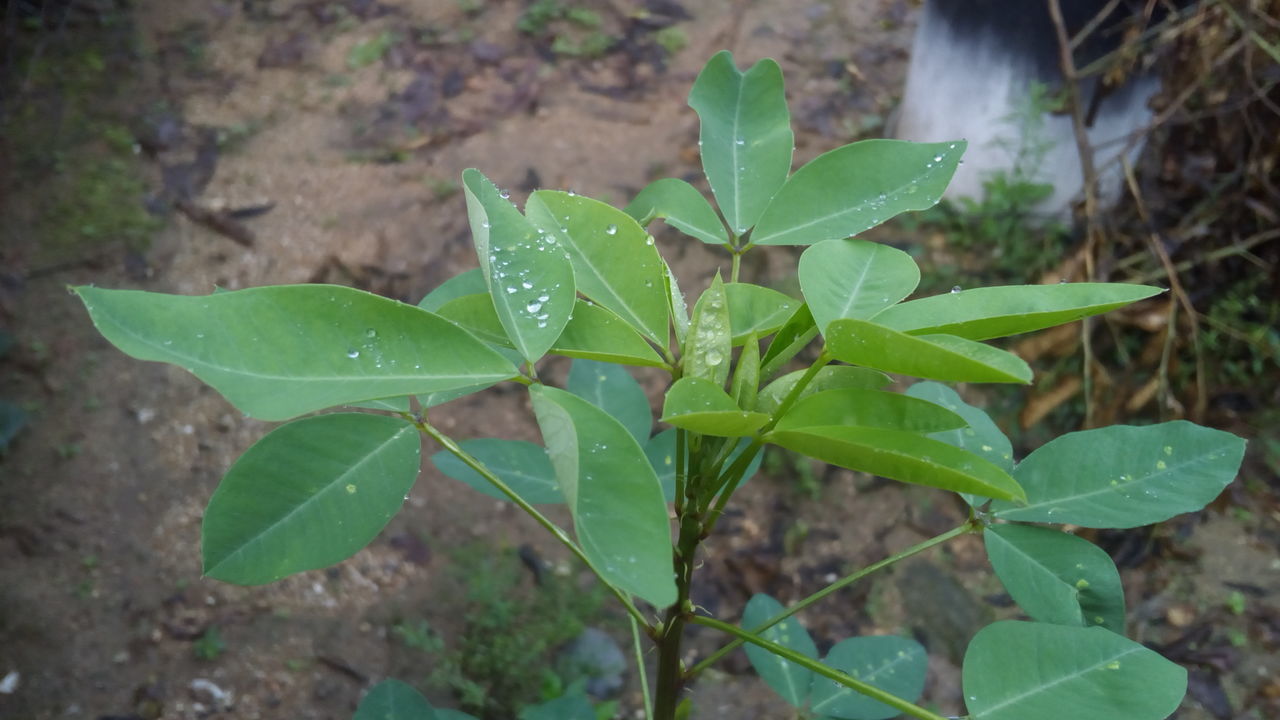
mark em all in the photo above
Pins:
pixel 210 646
pixel 364 54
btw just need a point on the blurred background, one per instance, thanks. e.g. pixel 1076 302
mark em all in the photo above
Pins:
pixel 175 146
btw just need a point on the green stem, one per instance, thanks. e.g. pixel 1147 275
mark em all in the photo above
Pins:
pixel 671 675
pixel 681 470
pixel 471 462
pixel 769 369
pixel 733 477
pixel 644 681
pixel 808 663
pixel 737 263
pixel 973 525
pixel 794 394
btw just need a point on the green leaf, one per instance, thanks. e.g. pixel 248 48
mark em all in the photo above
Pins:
pixel 797 332
pixel 746 375
pixel 709 345
pixel 828 378
pixel 466 283
pixel 701 406
pixel 614 260
pixel 900 456
pixel 935 357
pixel 682 206
pixel 529 278
pixel 756 309
pixel 984 313
pixel 982 437
pixel 523 466
pixel 307 495
pixel 852 188
pixel 854 279
pixel 612 492
pixel 278 352
pixel 1124 476
pixel 1055 577
pixel 894 664
pixel 869 408
pixel 745 139
pixel 1020 670
pixel 573 705
pixel 476 314
pixel 785 677
pixel 661 451
pixel 612 389
pixel 394 700
pixel 675 304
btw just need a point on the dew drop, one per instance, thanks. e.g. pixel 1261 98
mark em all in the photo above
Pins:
pixel 937 158
pixel 648 240
pixel 351 489
pixel 955 289
pixel 511 291
pixel 504 194
pixel 543 298
pixel 1168 449
pixel 1160 465
pixel 739 141
pixel 526 285
pixel 611 230
pixel 533 306
pixel 713 358
pixel 353 354
pixel 371 333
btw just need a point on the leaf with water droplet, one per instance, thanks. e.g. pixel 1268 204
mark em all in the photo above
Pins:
pixel 710 339
pixel 784 677
pixel 897 665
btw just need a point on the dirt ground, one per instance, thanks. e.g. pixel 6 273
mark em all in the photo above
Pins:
pixel 101 495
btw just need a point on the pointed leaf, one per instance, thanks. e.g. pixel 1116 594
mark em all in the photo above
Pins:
pixel 746 375
pixel 785 677
pixel 854 279
pixel 756 309
pixel 894 664
pixel 661 451
pixel 307 495
pixel 701 406
pixel 612 389
pixel 935 357
pixel 612 492
pixel 676 304
pixel 709 345
pixel 523 466
pixel 797 332
pixel 394 700
pixel 1057 578
pixel 745 139
pixel 1020 670
pixel 982 437
pixel 869 408
pixel 852 188
pixel 467 283
pixel 682 206
pixel 278 352
pixel 828 378
pixel 614 260
pixel 900 456
pixel 529 278
pixel 984 313
pixel 1123 476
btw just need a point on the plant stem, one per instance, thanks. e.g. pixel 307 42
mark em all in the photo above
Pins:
pixel 670 673
pixel 644 681
pixel 471 462
pixel 737 263
pixel 970 526
pixel 870 691
pixel 794 394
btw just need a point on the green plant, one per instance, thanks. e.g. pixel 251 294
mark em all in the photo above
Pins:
pixel 209 646
pixel 575 277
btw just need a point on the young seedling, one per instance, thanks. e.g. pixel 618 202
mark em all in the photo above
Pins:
pixel 576 277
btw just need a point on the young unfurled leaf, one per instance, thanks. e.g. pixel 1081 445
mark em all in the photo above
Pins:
pixel 523 466
pixel 676 304
pixel 703 407
pixel 854 279
pixel 934 357
pixel 682 206
pixel 746 375
pixel 1055 577
pixel 612 492
pixel 786 678
pixel 708 347
pixel 900 456
pixel 307 495
pixel 283 351
pixel 828 378
pixel 612 389
pixel 1020 670
pixel 852 188
pixel 891 663
pixel 869 408
pixel 756 310
pixel 529 278
pixel 614 260
pixel 797 332
pixel 984 313
pixel 1123 476
pixel 745 139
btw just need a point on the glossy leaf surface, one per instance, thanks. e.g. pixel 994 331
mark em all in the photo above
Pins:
pixel 869 408
pixel 523 466
pixel 900 456
pixel 982 437
pixel 852 188
pixel 854 279
pixel 613 494
pixel 934 357
pixel 797 332
pixel 709 345
pixel 756 309
pixel 745 138
pixel 701 406
pixel 894 664
pixel 1123 476
pixel 786 678
pixel 612 389
pixel 279 352
pixel 1020 670
pixel 614 260
pixel 831 377
pixel 984 313
pixel 309 494
pixel 469 282
pixel 1056 577
pixel 746 374
pixel 682 206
